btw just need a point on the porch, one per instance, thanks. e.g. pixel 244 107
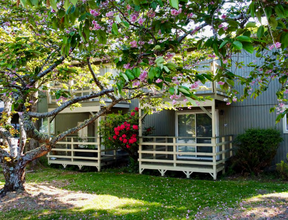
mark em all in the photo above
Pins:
pixel 83 152
pixel 181 154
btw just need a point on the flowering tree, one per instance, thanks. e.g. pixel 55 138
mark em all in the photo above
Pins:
pixel 153 44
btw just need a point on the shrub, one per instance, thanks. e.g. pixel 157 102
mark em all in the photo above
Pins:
pixel 120 131
pixel 256 149
pixel 282 169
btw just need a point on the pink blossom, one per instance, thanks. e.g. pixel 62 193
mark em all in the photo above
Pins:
pixel 128 7
pixel 228 103
pixel 136 83
pixel 110 14
pixel 225 61
pixel 221 83
pixel 141 21
pixel 220 26
pixel 211 55
pixel 134 18
pixel 151 14
pixel 223 16
pixel 277 45
pixel 190 15
pixel 174 102
pixel 195 85
pixel 225 28
pixel 143 76
pixel 271 47
pixel 133 43
pixel 169 56
pixel 150 42
pixel 234 99
pixel 159 80
pixel 94 13
pixel 141 42
pixel 127 66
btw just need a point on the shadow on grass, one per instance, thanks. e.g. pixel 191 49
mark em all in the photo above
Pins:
pixel 74 195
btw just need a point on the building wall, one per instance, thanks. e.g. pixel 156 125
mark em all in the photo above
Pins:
pixel 65 121
pixel 252 113
pixel 163 122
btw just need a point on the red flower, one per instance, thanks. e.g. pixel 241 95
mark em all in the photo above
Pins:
pixel 120 138
pixel 132 113
pixel 117 132
pixel 136 109
pixel 125 141
pixel 128 146
pixel 115 137
pixel 128 128
pixel 134 135
pixel 124 135
pixel 109 138
pixel 135 127
pixel 130 141
pixel 122 127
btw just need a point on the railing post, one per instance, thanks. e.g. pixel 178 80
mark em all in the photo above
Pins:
pixel 213 141
pixel 223 154
pixel 174 152
pixel 231 145
pixel 72 149
pixel 154 148
pixel 99 151
pixel 140 154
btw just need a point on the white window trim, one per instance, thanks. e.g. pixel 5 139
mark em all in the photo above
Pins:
pixel 285 130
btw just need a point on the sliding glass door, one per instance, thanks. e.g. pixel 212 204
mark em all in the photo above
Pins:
pixel 193 128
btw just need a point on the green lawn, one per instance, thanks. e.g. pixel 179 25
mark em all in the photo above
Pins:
pixel 133 196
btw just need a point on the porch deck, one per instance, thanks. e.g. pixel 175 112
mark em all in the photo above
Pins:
pixel 166 153
pixel 82 152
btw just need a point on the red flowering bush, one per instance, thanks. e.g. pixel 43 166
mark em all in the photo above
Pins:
pixel 121 131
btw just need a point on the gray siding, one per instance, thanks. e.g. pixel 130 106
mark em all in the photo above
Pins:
pixel 163 122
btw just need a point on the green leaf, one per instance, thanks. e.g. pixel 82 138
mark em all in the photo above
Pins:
pixel 248 47
pixel 125 77
pixel 171 90
pixel 215 48
pixel 130 75
pixel 174 4
pixel 151 73
pixel 259 15
pixel 280 11
pixel 223 44
pixel 260 31
pixel 268 12
pixel 284 40
pixel 115 29
pixel 159 60
pixel 237 45
pixel 252 9
pixel 53 4
pixel 101 35
pixel 184 90
pixel 166 69
pixel 74 2
pixel 34 2
pixel 66 4
pixel 243 38
pixel 273 22
pixel 136 2
pixel 250 24
pixel 136 72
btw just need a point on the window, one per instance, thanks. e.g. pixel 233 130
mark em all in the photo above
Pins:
pixel 44 126
pixel 193 128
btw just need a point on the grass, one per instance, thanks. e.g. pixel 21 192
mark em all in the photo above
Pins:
pixel 134 196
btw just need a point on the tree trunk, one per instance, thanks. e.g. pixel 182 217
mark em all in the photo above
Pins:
pixel 14 173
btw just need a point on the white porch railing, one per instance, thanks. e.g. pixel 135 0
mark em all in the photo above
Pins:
pixel 164 153
pixel 81 152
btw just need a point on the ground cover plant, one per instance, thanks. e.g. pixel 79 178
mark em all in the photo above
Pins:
pixel 59 194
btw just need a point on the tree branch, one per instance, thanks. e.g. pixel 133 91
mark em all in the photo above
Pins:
pixel 48 70
pixel 98 83
pixel 68 103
